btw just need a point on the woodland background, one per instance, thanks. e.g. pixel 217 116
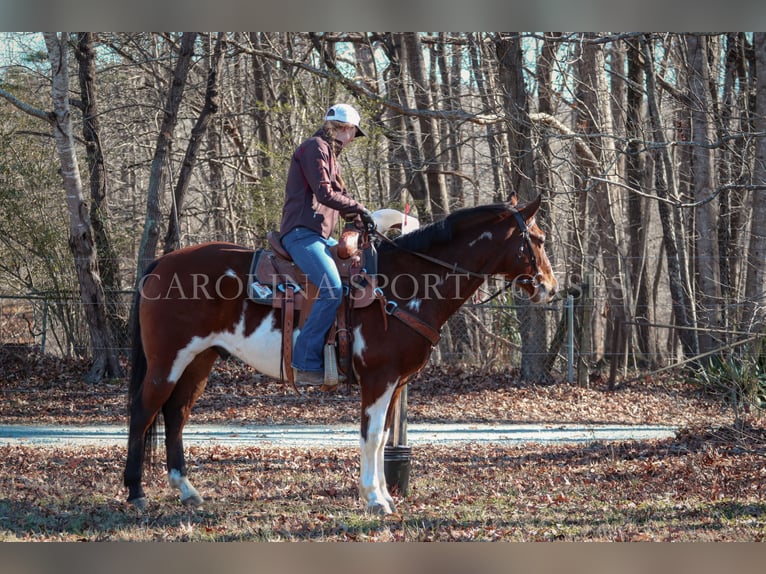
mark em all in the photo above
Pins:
pixel 648 150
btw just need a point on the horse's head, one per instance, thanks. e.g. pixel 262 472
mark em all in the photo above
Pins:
pixel 525 262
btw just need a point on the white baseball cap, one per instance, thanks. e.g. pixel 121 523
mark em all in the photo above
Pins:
pixel 345 114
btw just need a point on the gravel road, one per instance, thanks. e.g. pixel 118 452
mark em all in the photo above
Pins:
pixel 341 435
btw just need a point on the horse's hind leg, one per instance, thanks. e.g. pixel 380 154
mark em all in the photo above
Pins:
pixel 143 410
pixel 139 424
pixel 176 412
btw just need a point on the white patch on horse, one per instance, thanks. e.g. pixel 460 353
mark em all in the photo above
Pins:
pixel 414 305
pixel 372 484
pixel 261 349
pixel 485 235
pixel 230 273
pixel 359 344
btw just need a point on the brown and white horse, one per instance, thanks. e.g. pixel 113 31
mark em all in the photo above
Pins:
pixel 193 302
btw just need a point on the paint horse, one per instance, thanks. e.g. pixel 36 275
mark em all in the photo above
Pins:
pixel 193 303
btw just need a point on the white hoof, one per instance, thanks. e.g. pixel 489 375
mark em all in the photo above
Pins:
pixel 192 500
pixel 379 508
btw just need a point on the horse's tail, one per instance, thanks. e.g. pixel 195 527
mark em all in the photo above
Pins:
pixel 138 366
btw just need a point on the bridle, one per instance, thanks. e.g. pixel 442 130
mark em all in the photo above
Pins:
pixel 526 246
pixel 423 328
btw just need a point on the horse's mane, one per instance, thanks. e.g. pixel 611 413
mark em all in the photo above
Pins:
pixel 443 230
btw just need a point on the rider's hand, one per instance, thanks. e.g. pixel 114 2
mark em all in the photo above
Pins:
pixel 367 221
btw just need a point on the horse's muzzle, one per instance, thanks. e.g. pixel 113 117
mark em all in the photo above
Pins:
pixel 544 291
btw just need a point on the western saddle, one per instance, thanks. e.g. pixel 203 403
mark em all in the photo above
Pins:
pixel 276 280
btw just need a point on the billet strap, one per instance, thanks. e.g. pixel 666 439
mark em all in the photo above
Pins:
pixel 288 310
pixel 344 338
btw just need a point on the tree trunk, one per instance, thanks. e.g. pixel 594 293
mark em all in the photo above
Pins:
pixel 754 318
pixel 663 183
pixel 495 142
pixel 437 189
pixel 217 185
pixel 706 216
pixel 81 240
pixel 263 104
pixel 210 107
pixel 449 76
pixel 150 237
pixel 638 218
pixel 406 153
pixel 108 264
pixel 605 201
pixel 516 107
pixel 544 76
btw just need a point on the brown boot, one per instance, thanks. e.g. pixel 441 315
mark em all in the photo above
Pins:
pixel 308 378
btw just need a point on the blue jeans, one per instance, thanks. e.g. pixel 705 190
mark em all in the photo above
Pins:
pixel 311 252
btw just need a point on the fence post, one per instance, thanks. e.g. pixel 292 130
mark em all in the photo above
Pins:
pixel 570 338
pixel 397 457
pixel 616 351
pixel 586 308
pixel 45 326
pixel 399 423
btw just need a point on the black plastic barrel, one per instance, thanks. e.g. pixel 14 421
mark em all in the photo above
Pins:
pixel 397 463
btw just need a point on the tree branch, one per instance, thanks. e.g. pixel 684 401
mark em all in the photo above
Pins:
pixel 26 108
pixel 362 90
pixel 582 147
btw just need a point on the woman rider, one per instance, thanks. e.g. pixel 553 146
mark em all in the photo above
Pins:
pixel 315 196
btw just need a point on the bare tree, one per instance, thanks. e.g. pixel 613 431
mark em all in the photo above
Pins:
pixel 516 107
pixel 108 263
pixel 404 152
pixel 81 240
pixel 638 178
pixel 523 179
pixel 151 234
pixel 437 189
pixel 210 107
pixel 262 82
pixel 663 181
pixel 706 216
pixel 755 282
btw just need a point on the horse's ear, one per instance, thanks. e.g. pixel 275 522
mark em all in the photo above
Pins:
pixel 529 210
pixel 513 199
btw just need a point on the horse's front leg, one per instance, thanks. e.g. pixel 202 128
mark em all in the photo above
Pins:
pixel 372 484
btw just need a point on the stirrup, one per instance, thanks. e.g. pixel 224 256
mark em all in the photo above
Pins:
pixel 331 376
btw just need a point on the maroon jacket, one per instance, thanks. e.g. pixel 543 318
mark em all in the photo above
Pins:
pixel 314 195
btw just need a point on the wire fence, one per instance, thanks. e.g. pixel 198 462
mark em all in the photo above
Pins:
pixel 482 337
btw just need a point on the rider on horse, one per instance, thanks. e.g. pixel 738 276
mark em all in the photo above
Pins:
pixel 315 196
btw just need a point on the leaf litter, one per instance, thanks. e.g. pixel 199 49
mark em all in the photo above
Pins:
pixel 708 483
